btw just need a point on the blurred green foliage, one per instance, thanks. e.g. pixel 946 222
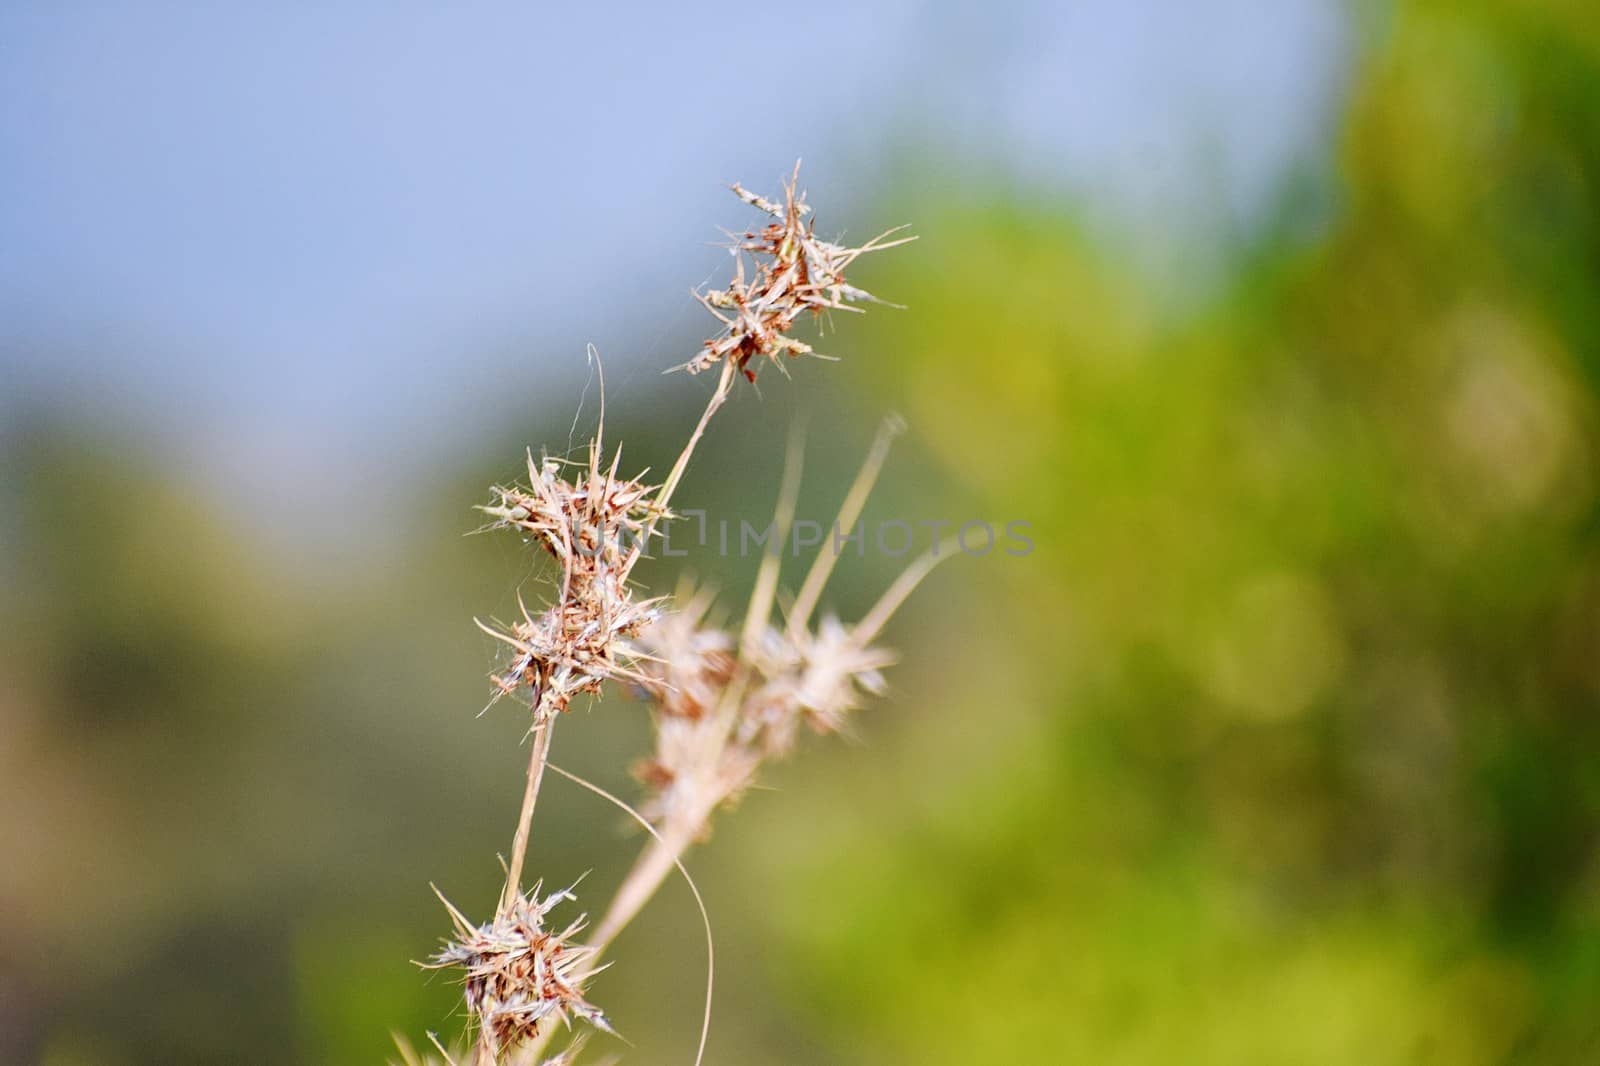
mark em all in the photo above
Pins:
pixel 1316 611
pixel 1281 747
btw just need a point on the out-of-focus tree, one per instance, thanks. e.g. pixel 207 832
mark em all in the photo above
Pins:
pixel 1309 644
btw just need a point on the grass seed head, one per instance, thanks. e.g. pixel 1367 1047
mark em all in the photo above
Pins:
pixel 589 525
pixel 792 272
pixel 700 763
pixel 688 661
pixel 815 678
pixel 687 664
pixel 520 974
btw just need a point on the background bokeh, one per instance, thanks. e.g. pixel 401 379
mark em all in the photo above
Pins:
pixel 1279 321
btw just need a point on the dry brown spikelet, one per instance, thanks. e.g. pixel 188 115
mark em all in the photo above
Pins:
pixel 700 763
pixel 590 525
pixel 794 271
pixel 517 973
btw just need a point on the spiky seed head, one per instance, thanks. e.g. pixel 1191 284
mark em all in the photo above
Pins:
pixel 795 272
pixel 817 678
pixel 687 661
pixel 699 763
pixel 590 525
pixel 519 974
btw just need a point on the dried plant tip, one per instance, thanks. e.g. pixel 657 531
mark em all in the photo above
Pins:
pixel 518 973
pixel 795 271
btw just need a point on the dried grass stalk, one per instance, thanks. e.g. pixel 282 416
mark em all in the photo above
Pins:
pixel 723 703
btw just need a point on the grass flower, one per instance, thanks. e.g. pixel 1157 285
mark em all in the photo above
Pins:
pixel 520 974
pixel 818 680
pixel 589 526
pixel 724 704
pixel 794 271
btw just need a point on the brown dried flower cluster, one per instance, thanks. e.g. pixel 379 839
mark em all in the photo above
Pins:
pixel 518 973
pixel 688 665
pixel 816 678
pixel 794 271
pixel 590 525
pixel 723 705
pixel 703 761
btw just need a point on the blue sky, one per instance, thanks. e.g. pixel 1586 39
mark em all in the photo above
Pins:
pixel 264 232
